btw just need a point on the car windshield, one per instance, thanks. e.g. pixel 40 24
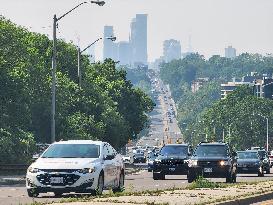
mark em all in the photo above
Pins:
pixel 174 150
pixel 247 155
pixel 72 151
pixel 211 151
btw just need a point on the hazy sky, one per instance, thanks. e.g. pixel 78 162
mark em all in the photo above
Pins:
pixel 247 25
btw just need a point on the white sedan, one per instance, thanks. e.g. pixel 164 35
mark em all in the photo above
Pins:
pixel 81 166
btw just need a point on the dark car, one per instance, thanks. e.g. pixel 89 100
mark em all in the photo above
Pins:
pixel 171 160
pixel 212 160
pixel 249 162
pixel 139 157
pixel 265 160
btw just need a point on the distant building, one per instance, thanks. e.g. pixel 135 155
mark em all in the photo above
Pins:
pixel 198 83
pixel 171 50
pixel 230 52
pixel 138 39
pixel 108 45
pixel 229 87
pixel 124 53
pixel 264 88
pixel 156 64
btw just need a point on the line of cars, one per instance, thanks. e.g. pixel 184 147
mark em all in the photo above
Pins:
pixel 210 160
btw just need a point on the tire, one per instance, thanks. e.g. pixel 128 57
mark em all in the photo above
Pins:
pixel 158 176
pixel 191 178
pixel 234 178
pixel 100 186
pixel 229 178
pixel 120 187
pixel 32 193
pixel 268 171
pixel 260 173
pixel 58 194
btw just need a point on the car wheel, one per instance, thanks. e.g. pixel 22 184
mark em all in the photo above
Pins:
pixel 158 176
pixel 32 193
pixel 260 172
pixel 58 194
pixel 191 178
pixel 229 178
pixel 120 187
pixel 234 177
pixel 100 186
pixel 268 171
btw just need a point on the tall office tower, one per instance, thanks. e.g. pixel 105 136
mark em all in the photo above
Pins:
pixel 230 52
pixel 171 50
pixel 124 51
pixel 108 45
pixel 138 39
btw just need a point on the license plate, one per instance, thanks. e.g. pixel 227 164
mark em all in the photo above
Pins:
pixel 56 180
pixel 172 169
pixel 207 170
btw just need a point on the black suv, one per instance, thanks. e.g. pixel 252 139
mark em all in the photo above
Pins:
pixel 171 160
pixel 213 160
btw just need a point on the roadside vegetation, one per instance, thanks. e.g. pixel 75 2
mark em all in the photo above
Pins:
pixel 202 115
pixel 107 106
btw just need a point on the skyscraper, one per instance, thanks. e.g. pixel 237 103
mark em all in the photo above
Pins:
pixel 230 52
pixel 124 53
pixel 108 45
pixel 171 50
pixel 138 39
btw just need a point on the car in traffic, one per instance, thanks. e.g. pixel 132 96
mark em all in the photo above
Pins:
pixel 265 160
pixel 126 159
pixel 271 158
pixel 249 162
pixel 213 160
pixel 139 158
pixel 81 166
pixel 171 160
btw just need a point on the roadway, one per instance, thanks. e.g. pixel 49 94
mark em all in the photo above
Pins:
pixel 15 195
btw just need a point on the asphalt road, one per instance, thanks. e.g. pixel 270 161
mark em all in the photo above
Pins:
pixel 137 182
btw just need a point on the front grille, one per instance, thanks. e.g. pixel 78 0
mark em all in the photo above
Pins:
pixel 59 170
pixel 172 162
pixel 68 179
pixel 208 163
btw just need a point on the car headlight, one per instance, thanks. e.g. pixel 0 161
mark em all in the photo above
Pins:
pixel 192 163
pixel 33 170
pixel 87 170
pixel 265 160
pixel 224 163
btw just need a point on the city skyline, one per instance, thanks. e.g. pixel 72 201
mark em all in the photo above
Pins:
pixel 212 25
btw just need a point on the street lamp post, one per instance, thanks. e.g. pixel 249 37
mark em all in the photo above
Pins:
pixel 267 131
pixel 81 51
pixel 54 54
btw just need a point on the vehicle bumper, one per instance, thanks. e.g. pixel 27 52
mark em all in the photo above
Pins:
pixel 83 182
pixel 171 170
pixel 217 172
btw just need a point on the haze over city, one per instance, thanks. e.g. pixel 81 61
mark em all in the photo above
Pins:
pixel 212 25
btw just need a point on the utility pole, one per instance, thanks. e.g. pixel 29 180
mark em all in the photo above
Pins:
pixel 79 70
pixel 53 88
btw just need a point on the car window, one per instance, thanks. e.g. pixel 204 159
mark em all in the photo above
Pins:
pixel 211 150
pixel 247 155
pixel 174 150
pixel 72 151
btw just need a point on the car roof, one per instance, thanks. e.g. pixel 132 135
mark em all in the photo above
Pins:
pixel 176 145
pixel 80 142
pixel 213 143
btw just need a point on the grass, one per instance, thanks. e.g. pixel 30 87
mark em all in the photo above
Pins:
pixel 201 182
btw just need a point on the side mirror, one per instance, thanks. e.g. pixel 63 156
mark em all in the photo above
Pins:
pixel 35 156
pixel 109 157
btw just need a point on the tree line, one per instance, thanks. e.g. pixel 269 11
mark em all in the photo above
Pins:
pixel 106 106
pixel 202 115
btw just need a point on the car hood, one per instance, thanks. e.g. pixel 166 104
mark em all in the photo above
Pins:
pixel 247 161
pixel 162 157
pixel 64 163
pixel 209 158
